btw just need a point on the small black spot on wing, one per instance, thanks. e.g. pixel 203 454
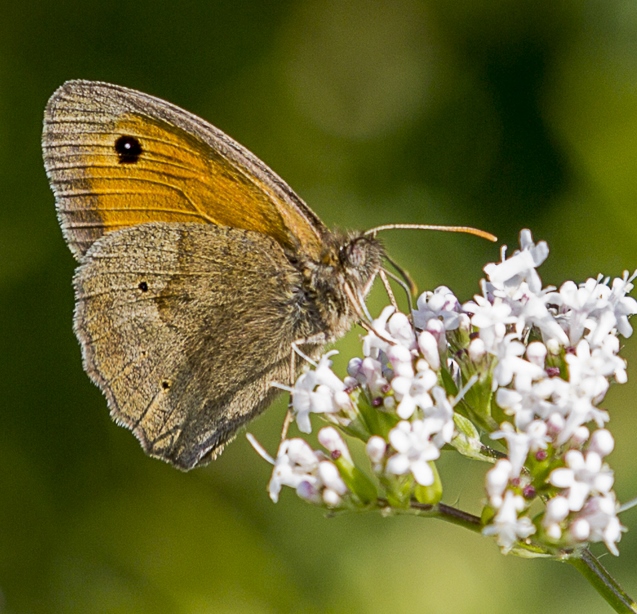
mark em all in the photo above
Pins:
pixel 129 149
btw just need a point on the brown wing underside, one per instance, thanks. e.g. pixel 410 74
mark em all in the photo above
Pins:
pixel 183 335
pixel 187 171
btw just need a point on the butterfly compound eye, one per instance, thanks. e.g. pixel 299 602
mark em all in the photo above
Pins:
pixel 354 253
pixel 128 149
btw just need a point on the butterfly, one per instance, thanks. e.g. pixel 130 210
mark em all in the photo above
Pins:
pixel 198 267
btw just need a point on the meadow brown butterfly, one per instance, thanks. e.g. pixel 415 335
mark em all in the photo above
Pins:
pixel 198 267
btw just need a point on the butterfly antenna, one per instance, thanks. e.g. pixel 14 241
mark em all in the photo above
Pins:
pixel 466 229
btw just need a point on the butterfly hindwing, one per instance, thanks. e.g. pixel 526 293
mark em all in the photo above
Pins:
pixel 167 337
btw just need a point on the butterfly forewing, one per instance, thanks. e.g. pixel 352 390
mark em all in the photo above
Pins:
pixel 117 158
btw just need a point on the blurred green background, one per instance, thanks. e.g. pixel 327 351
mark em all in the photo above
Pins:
pixel 501 115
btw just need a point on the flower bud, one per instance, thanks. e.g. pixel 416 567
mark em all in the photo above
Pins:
pixel 429 348
pixel 601 442
pixel 375 448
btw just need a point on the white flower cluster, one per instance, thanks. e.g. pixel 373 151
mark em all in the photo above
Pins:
pixel 314 477
pixel 399 373
pixel 551 389
pixel 524 364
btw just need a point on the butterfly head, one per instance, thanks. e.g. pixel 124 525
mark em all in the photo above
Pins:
pixel 360 258
pixel 340 279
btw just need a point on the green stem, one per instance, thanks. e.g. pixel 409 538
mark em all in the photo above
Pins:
pixel 583 560
pixel 599 578
pixel 439 510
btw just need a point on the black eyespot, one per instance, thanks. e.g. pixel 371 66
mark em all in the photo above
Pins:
pixel 165 384
pixel 128 149
pixel 143 286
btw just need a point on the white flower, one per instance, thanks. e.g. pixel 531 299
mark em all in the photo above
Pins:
pixel 518 445
pixel 376 448
pixel 535 312
pixel 333 486
pixel 439 417
pixel 477 349
pixel 309 490
pixel 331 498
pixel 555 424
pixel 437 330
pixel 582 476
pixel 310 399
pixel 390 328
pixel 324 374
pixel 595 307
pixel 589 372
pixel 526 404
pixel 491 319
pixel 332 441
pixel 557 509
pixel 401 360
pixel 509 364
pixel 440 305
pixel 578 302
pixel 511 272
pixel 588 382
pixel 296 463
pixel 580 411
pixel 369 372
pixel 372 342
pixel 551 389
pixel 580 530
pixel 623 306
pixel 580 437
pixel 536 353
pixel 298 466
pixel 537 434
pixel 305 400
pixel 413 392
pixel 602 330
pixel 414 450
pixel 400 329
pixel 428 345
pixel 506 524
pixel 497 480
pixel 318 391
pixel 601 442
pixel 601 515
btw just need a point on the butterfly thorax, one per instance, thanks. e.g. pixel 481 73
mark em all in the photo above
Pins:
pixel 346 268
